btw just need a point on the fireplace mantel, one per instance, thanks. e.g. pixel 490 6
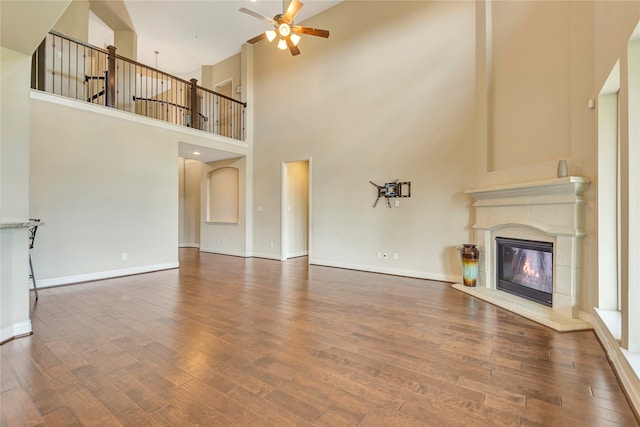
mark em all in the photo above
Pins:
pixel 546 210
pixel 570 185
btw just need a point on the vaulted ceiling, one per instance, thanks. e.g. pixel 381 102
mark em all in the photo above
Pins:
pixel 188 34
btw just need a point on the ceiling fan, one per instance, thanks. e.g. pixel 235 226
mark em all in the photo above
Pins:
pixel 289 34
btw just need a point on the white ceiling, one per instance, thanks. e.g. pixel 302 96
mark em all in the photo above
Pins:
pixel 188 34
pixel 206 154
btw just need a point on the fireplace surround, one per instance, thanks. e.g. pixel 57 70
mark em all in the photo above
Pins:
pixel 545 211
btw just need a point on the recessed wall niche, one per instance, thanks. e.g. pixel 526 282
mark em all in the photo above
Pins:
pixel 222 195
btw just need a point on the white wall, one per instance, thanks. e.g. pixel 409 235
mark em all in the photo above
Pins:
pixel 104 186
pixel 99 33
pixel 389 95
pixel 14 192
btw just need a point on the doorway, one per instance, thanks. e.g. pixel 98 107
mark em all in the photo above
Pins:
pixel 296 209
pixel 224 112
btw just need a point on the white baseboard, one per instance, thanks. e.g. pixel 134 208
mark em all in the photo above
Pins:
pixel 189 245
pixel 68 280
pixel 297 254
pixel 392 271
pixel 15 330
pixel 264 255
pixel 620 359
pixel 224 252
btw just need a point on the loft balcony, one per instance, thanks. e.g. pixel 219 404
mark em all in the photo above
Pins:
pixel 75 69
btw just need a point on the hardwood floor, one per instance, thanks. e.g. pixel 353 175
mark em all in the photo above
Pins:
pixel 253 342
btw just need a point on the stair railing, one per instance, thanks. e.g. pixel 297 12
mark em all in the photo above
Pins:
pixel 64 66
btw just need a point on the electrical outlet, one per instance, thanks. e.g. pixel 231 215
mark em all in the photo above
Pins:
pixel 395 256
pixel 271 244
pixel 125 256
pixel 380 254
pixel 397 203
pixel 384 255
pixel 218 240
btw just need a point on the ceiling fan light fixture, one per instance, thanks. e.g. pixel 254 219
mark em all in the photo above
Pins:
pixel 284 29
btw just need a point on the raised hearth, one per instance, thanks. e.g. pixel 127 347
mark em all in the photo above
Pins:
pixel 545 211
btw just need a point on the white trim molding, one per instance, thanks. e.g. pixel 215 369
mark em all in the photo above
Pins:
pixel 15 330
pixel 225 252
pixel 391 271
pixel 264 255
pixel 625 364
pixel 79 278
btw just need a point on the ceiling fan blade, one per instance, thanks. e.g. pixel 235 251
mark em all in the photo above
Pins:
pixel 292 11
pixel 257 15
pixel 311 31
pixel 292 48
pixel 257 38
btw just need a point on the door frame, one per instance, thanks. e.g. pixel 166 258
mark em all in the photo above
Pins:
pixel 284 226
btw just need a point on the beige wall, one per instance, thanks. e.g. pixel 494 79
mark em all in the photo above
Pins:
pixel 389 95
pixel 75 21
pixel 227 69
pixel 105 186
pixel 189 175
pixel 530 115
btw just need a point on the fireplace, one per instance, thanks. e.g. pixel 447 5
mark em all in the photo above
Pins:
pixel 525 268
pixel 549 211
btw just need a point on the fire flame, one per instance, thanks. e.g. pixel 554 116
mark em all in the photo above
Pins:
pixel 526 268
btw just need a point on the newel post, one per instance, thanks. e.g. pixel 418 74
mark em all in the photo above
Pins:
pixel 110 84
pixel 195 111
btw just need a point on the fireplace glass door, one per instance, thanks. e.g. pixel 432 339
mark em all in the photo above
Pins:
pixel 525 268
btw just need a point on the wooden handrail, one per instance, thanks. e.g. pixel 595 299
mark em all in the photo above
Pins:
pixel 80 42
pixel 244 104
pixel 118 81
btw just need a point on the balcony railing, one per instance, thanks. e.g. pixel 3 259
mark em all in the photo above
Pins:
pixel 72 68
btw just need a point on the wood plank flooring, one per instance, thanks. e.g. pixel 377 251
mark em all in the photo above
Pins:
pixel 253 342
